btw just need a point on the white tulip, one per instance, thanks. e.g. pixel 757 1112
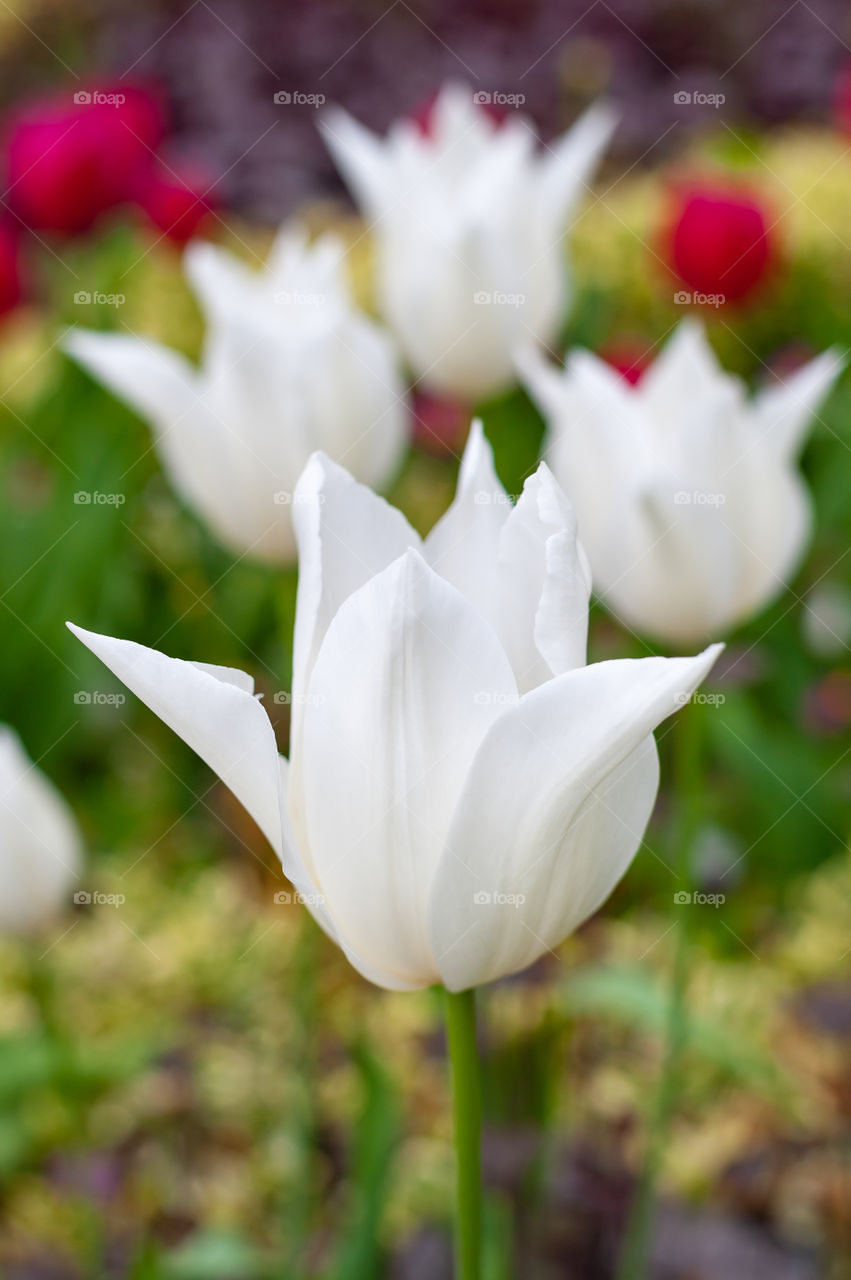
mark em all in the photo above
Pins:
pixel 40 845
pixel 462 791
pixel 687 493
pixel 468 219
pixel 289 366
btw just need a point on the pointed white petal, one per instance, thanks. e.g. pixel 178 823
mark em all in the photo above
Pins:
pixel 216 713
pixel 407 682
pixel 346 534
pixel 158 383
pixel 784 414
pixel 360 157
pixel 544 584
pixel 219 279
pixel 686 372
pixel 543 380
pixel 464 544
pixel 553 809
pixel 40 843
pixel 570 161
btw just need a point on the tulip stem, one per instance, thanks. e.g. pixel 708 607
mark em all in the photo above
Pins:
pixel 687 780
pixel 467 1102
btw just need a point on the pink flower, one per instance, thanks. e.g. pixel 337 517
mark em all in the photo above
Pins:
pixel 176 204
pixel 630 356
pixel 70 158
pixel 11 284
pixel 423 115
pixel 718 241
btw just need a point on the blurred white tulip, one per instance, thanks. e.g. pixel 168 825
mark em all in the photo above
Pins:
pixel 468 218
pixel 462 791
pixel 826 620
pixel 688 495
pixel 40 845
pixel 289 366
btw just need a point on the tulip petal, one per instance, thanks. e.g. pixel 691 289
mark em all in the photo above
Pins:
pixel 570 161
pixel 552 812
pixel 544 382
pixel 159 384
pixel 464 544
pixel 40 842
pixel 784 414
pixel 220 280
pixel 216 713
pixel 407 682
pixel 545 584
pixel 360 157
pixel 519 566
pixel 166 390
pixel 346 534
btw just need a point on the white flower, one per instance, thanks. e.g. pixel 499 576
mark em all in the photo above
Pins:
pixel 40 845
pixel 687 493
pixel 468 219
pixel 462 791
pixel 289 366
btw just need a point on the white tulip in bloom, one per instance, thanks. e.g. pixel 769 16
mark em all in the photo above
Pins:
pixel 462 791
pixel 40 846
pixel 687 493
pixel 468 217
pixel 289 366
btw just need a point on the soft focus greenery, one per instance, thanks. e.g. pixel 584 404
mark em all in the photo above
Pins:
pixel 195 1078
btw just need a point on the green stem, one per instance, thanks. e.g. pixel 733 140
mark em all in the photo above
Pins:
pixel 687 780
pixel 467 1102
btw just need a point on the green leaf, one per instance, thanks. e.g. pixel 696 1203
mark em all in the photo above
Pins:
pixel 634 996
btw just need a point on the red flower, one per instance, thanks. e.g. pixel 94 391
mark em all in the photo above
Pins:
pixel 440 423
pixel 176 204
pixel 11 286
pixel 70 158
pixel 718 241
pixel 423 115
pixel 842 101
pixel 630 356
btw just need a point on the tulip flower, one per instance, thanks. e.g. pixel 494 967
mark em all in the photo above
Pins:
pixel 468 221
pixel 176 205
pixel 719 243
pixel 40 845
pixel 687 493
pixel 289 366
pixel 462 790
pixel 70 159
pixel 11 283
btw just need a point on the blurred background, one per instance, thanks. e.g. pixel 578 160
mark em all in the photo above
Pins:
pixel 193 1083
